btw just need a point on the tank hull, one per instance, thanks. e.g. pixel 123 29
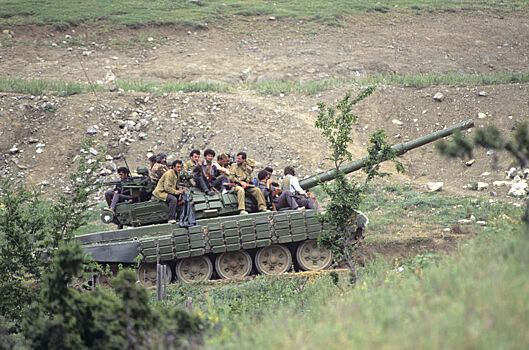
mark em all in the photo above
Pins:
pixel 170 244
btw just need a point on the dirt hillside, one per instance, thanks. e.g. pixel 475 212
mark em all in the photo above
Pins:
pixel 39 135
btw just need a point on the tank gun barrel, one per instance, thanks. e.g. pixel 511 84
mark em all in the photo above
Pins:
pixel 400 149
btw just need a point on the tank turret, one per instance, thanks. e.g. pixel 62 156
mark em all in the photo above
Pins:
pixel 223 242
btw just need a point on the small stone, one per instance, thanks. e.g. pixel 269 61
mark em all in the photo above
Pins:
pixel 39 150
pixel 109 158
pixel 470 162
pixel 142 136
pixel 482 186
pixel 32 140
pixel 464 221
pixel 150 39
pixel 438 97
pixel 481 115
pixel 397 122
pixel 447 229
pixel 481 223
pixel 482 93
pixel 434 186
pixel 113 88
pixel 91 130
pixel 45 183
pixel 271 18
pixel 486 173
pixel 490 152
pixel 13 150
pixel 93 151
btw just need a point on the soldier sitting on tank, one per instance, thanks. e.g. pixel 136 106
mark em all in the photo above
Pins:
pixel 119 194
pixel 167 189
pixel 159 168
pixel 274 197
pixel 290 182
pixel 194 156
pixel 207 176
pixel 241 175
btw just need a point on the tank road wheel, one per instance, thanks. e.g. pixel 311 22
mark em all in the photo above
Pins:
pixel 146 274
pixel 310 257
pixel 233 265
pixel 273 260
pixel 196 269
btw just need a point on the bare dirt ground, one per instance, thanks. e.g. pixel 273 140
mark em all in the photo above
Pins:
pixel 275 130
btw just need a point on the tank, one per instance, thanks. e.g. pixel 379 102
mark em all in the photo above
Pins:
pixel 223 244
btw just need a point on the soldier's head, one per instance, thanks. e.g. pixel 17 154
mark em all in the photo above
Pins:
pixel 194 155
pixel 161 158
pixel 152 160
pixel 270 170
pixel 263 175
pixel 223 159
pixel 289 171
pixel 123 172
pixel 209 154
pixel 241 158
pixel 177 166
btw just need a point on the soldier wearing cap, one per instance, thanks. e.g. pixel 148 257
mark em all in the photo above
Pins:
pixel 241 173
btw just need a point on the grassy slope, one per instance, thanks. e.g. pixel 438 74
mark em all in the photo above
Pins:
pixel 476 298
pixel 64 13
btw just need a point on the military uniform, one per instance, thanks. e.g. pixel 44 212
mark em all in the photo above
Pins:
pixel 167 190
pixel 239 174
pixel 189 166
pixel 157 170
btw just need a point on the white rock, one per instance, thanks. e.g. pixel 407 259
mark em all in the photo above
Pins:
pixel 482 93
pixel 150 39
pixel 481 115
pixel 438 97
pixel 511 173
pixel 482 186
pixel 486 173
pixel 434 186
pixel 40 145
pixel 470 162
pixel 91 130
pixel 39 150
pixel 13 150
pixel 519 189
pixel 447 229
pixel 501 183
pixel 93 151
pixel 397 122
pixel 481 223
pixel 109 158
pixel 32 140
pixel 464 221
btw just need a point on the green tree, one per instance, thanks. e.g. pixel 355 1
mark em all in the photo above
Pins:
pixel 460 146
pixel 31 228
pixel 346 194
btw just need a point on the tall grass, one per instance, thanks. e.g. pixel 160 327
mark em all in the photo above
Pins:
pixel 41 87
pixel 476 298
pixel 62 88
pixel 65 13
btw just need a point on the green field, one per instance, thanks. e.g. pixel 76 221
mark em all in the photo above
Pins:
pixel 65 13
pixel 474 298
